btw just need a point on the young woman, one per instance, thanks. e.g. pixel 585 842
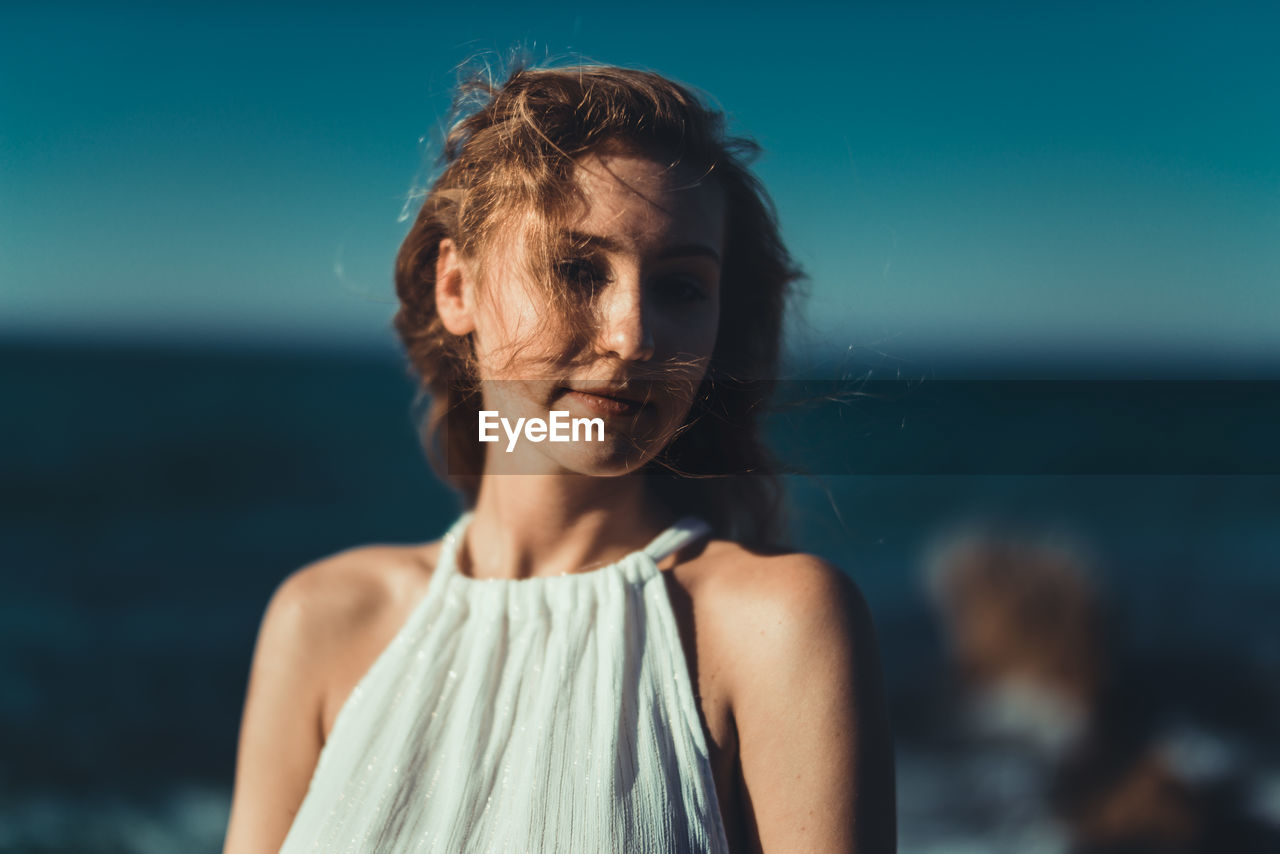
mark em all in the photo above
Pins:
pixel 604 652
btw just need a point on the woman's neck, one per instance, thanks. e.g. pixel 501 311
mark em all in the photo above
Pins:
pixel 527 526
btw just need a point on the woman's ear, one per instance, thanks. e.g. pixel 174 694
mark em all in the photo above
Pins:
pixel 454 294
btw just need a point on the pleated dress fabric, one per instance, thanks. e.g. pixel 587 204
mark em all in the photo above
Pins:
pixel 549 714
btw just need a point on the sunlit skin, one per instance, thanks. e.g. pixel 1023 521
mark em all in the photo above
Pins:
pixel 779 645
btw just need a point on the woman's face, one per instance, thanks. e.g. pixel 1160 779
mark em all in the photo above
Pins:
pixel 645 254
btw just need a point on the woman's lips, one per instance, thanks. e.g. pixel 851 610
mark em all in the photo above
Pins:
pixel 602 405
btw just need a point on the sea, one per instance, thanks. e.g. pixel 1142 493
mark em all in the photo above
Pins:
pixel 153 496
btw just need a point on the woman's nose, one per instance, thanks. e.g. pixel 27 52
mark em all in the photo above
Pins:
pixel 624 330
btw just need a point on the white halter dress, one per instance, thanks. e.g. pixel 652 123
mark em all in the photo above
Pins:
pixel 549 714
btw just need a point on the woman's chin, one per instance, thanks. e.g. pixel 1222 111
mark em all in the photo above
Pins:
pixel 600 461
pixel 606 466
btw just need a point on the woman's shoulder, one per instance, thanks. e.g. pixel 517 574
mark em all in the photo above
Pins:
pixel 321 621
pixel 779 584
pixel 794 660
pixel 774 605
pixel 354 585
pixel 339 612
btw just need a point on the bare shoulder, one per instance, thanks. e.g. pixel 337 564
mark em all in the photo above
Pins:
pixel 764 599
pixel 350 588
pixel 793 638
pixel 322 628
pixel 344 610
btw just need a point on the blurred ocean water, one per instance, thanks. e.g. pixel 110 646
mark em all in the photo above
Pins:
pixel 151 500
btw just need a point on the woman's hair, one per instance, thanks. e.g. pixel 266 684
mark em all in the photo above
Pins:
pixel 513 152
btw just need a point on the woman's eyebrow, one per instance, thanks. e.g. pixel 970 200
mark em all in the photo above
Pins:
pixel 600 242
pixel 582 240
pixel 685 250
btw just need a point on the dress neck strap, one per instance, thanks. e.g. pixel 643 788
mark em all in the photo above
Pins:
pixel 686 530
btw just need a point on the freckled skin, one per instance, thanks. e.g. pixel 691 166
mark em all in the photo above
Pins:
pixel 792 711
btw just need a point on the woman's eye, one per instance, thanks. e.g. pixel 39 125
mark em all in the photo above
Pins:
pixel 682 288
pixel 580 273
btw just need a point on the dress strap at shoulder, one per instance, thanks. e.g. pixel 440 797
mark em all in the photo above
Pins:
pixel 684 531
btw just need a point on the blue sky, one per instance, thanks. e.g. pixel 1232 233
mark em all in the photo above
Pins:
pixel 1004 176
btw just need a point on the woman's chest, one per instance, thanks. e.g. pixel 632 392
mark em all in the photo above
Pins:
pixel 509 672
